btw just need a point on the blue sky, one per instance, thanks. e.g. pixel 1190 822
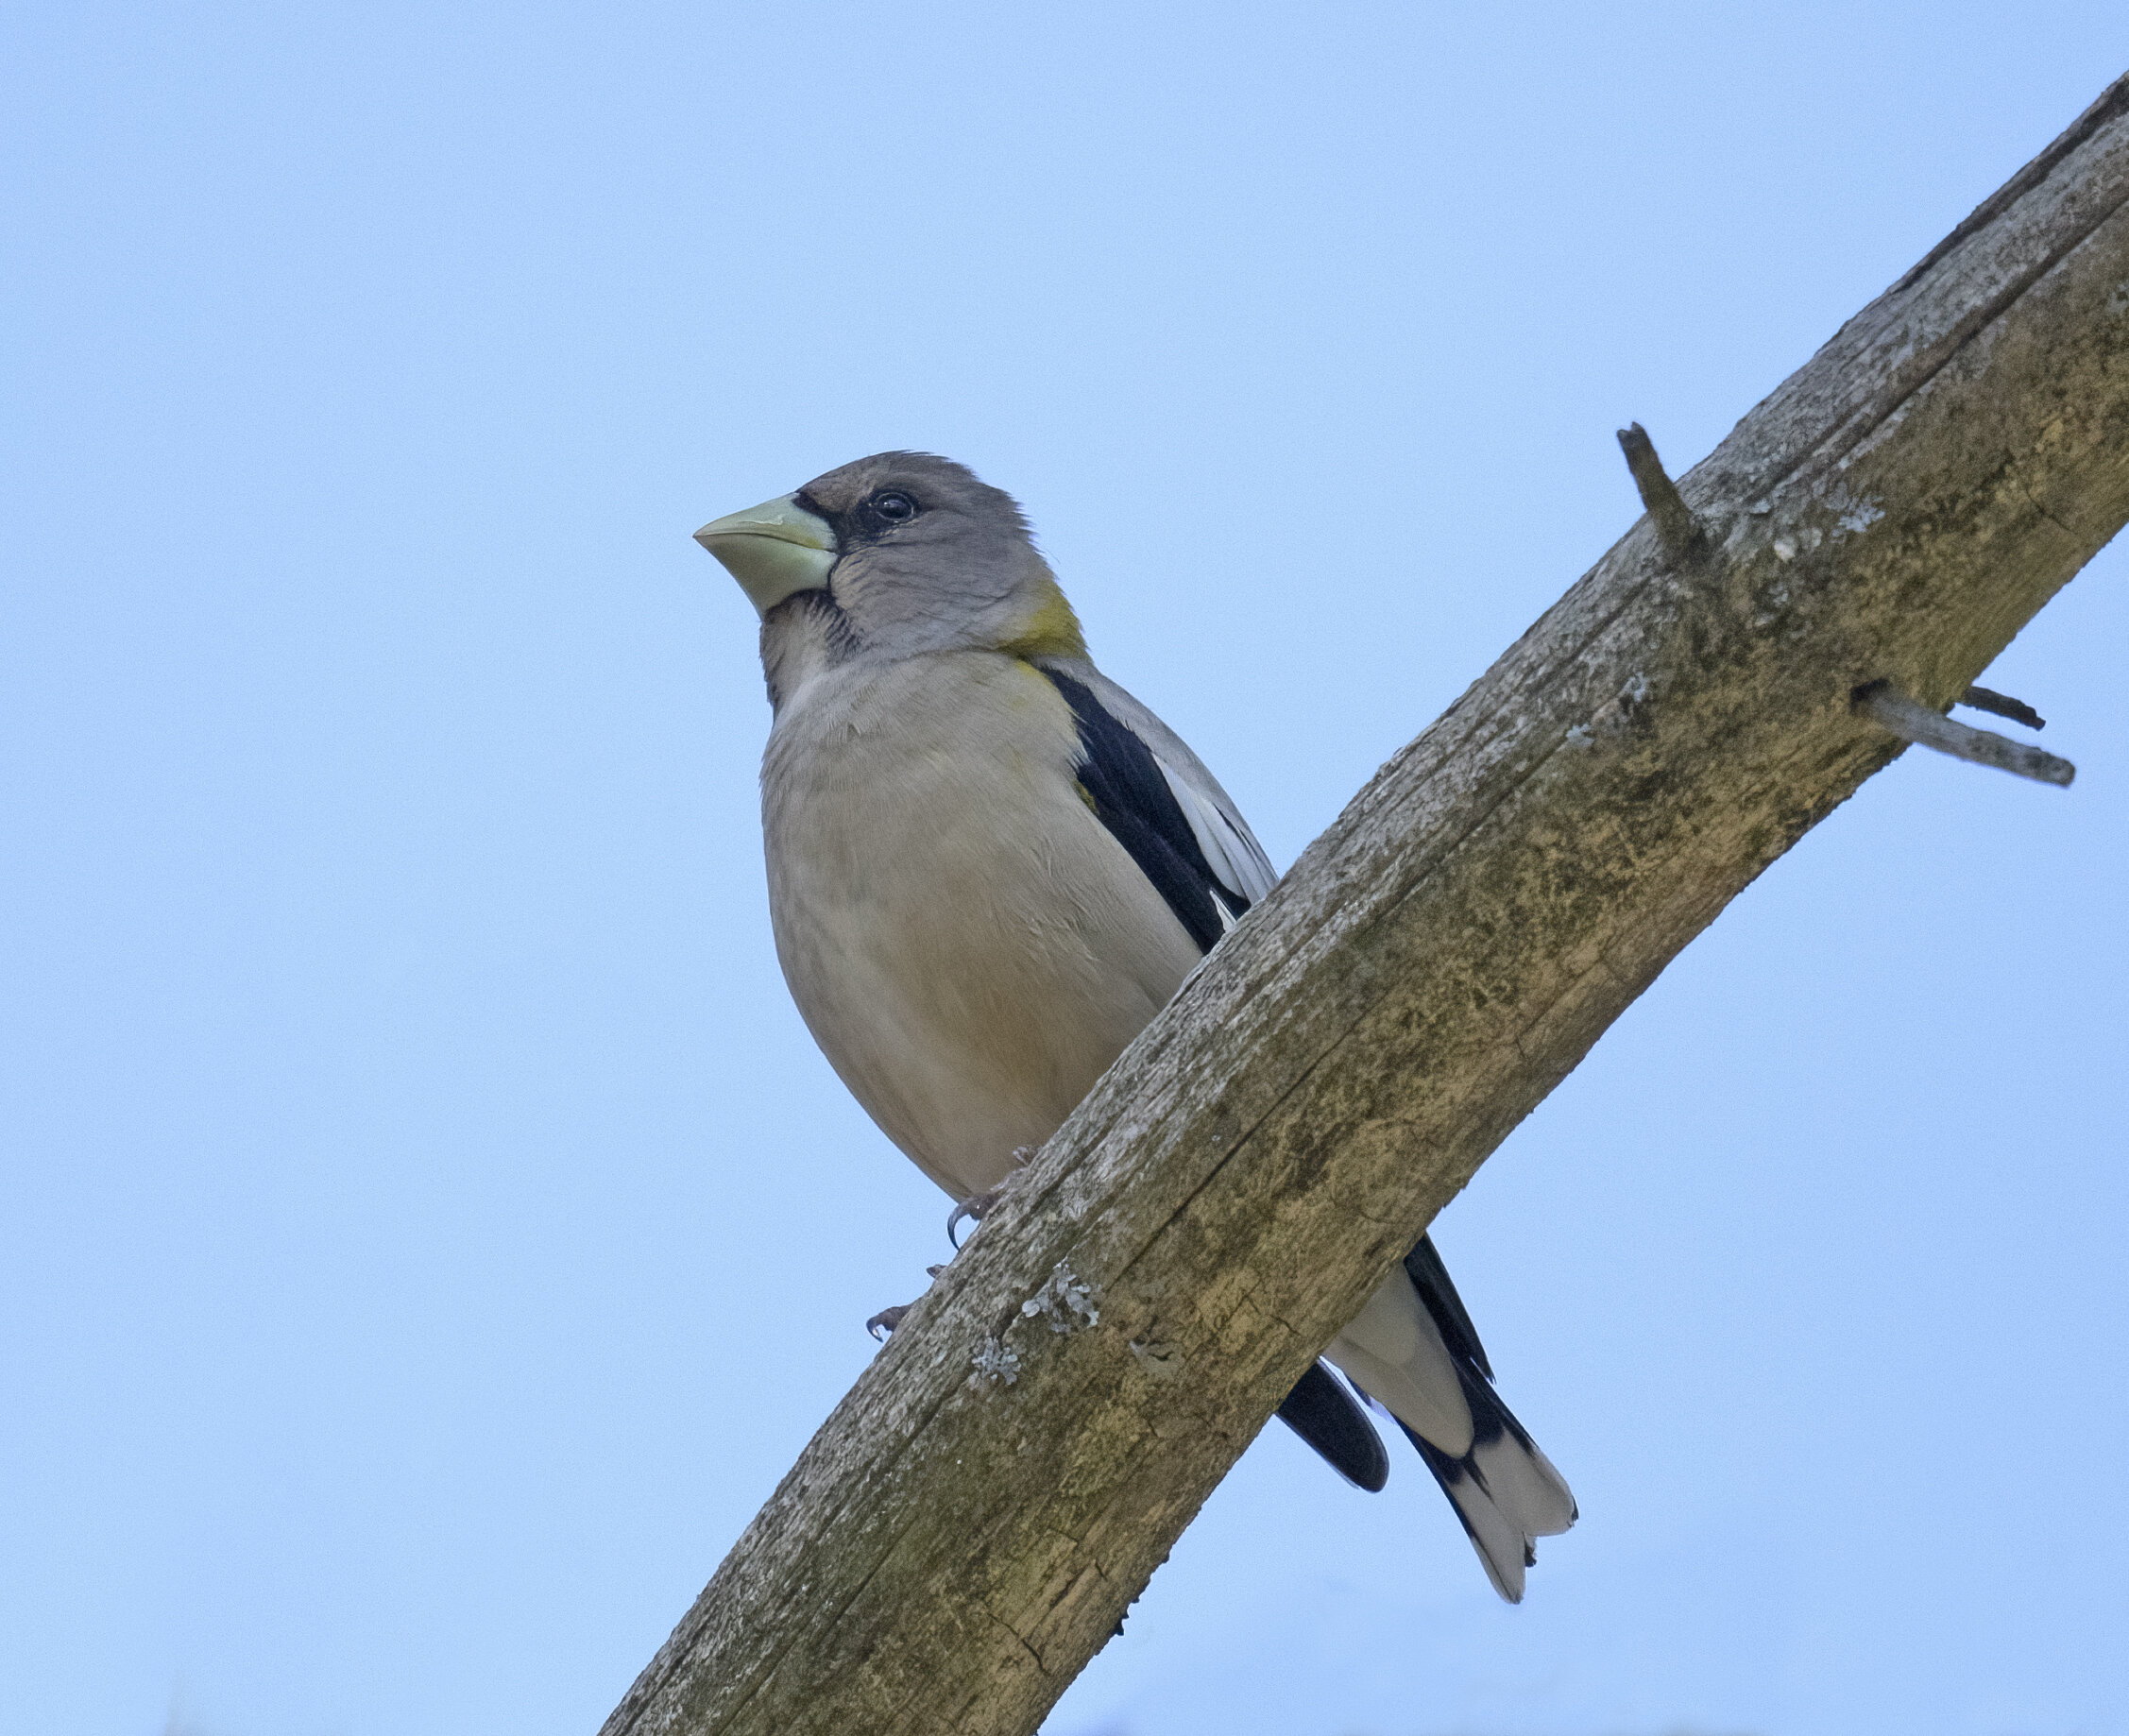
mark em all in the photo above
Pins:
pixel 426 1230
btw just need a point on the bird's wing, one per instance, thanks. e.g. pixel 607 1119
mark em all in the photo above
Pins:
pixel 1187 838
pixel 1413 1347
pixel 1324 1414
pixel 1224 835
pixel 1162 805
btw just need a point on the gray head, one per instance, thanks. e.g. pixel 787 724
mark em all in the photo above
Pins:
pixel 892 556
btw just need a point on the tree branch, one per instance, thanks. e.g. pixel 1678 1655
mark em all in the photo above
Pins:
pixel 967 1526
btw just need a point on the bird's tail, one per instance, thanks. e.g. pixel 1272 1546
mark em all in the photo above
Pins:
pixel 1414 1352
pixel 1505 1489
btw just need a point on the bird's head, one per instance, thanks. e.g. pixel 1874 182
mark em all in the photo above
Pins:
pixel 894 555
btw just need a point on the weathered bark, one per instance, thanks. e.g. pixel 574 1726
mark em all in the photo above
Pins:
pixel 966 1529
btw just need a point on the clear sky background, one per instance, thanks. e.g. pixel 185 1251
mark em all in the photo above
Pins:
pixel 427 1232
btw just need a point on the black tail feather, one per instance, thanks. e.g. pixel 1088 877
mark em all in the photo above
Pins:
pixel 1431 1279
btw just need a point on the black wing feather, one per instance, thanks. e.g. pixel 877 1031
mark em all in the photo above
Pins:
pixel 1132 799
pixel 1324 1414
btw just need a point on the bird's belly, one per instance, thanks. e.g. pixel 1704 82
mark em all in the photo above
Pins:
pixel 968 944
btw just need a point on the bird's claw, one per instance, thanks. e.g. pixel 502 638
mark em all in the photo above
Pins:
pixel 973 1208
pixel 886 1320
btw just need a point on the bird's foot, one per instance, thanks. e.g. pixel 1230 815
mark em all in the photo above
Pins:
pixel 887 1319
pixel 977 1206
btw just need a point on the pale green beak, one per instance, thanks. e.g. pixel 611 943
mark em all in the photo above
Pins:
pixel 775 550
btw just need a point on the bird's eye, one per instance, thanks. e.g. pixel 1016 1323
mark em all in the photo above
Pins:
pixel 893 507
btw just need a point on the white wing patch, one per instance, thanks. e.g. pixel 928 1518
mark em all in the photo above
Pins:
pixel 1236 860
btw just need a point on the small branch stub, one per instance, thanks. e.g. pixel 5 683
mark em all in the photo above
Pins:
pixel 1890 709
pixel 1674 522
pixel 2002 705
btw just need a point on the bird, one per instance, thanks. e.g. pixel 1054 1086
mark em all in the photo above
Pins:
pixel 988 867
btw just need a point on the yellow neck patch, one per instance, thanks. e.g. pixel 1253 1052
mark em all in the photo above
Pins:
pixel 1050 630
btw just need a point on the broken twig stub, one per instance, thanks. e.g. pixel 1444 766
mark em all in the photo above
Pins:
pixel 1912 721
pixel 2002 705
pixel 1674 522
